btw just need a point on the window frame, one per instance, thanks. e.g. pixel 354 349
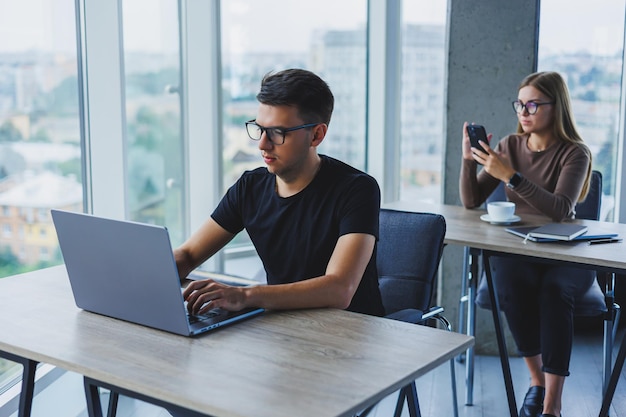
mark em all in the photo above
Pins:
pixel 103 93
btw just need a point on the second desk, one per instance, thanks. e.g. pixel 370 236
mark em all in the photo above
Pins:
pixel 465 228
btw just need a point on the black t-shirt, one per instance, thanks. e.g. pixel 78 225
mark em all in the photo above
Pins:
pixel 295 236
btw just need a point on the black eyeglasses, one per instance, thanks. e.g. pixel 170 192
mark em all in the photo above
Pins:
pixel 275 134
pixel 531 107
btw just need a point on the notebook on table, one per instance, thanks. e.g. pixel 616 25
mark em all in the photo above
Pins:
pixel 559 231
pixel 126 270
pixel 527 232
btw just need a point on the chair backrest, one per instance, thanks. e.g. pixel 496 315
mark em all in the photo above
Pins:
pixel 409 249
pixel 592 302
pixel 590 208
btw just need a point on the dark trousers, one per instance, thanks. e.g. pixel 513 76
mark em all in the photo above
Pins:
pixel 538 302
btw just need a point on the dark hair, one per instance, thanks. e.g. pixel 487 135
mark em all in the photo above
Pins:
pixel 301 89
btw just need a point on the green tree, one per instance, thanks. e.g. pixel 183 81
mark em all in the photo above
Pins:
pixel 10 161
pixel 9 133
pixel 41 136
pixel 154 158
pixel 60 101
pixel 70 167
pixel 151 83
pixel 9 264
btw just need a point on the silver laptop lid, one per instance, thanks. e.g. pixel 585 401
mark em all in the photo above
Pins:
pixel 122 269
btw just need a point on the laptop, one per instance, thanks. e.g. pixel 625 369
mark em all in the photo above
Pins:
pixel 126 270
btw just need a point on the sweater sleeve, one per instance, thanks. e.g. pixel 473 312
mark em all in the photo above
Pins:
pixel 570 174
pixel 475 188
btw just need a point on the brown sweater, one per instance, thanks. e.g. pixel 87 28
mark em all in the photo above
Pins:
pixel 552 179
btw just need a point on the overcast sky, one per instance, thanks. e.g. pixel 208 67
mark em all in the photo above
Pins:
pixel 26 24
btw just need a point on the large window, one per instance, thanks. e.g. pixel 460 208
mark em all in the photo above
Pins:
pixel 154 170
pixel 422 99
pixel 150 138
pixel 333 45
pixel 40 157
pixel 585 44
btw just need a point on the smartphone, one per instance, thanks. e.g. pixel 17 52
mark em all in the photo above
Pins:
pixel 476 133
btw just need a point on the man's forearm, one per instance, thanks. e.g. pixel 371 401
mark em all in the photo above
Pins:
pixel 320 292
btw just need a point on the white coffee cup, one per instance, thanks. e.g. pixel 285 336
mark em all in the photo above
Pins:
pixel 501 210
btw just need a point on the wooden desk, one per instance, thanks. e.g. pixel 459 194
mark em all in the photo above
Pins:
pixel 303 363
pixel 465 228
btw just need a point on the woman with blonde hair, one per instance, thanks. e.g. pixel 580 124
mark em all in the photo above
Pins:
pixel 546 168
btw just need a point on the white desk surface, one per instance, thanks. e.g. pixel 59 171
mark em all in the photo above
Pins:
pixel 465 228
pixel 302 363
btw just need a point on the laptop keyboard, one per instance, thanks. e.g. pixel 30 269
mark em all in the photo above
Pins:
pixel 203 317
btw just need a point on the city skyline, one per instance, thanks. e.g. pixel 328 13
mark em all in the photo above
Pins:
pixel 339 54
pixel 29 24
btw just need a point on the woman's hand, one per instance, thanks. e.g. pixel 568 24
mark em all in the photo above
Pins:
pixel 467 147
pixel 496 165
pixel 468 151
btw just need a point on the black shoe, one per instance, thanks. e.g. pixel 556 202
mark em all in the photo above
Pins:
pixel 533 402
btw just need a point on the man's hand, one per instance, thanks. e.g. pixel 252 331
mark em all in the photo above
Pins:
pixel 204 295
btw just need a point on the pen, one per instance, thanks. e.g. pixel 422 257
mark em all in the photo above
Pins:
pixel 608 240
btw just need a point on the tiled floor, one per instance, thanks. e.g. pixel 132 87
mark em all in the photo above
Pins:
pixel 581 397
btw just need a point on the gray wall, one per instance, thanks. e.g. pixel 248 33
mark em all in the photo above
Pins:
pixel 491 48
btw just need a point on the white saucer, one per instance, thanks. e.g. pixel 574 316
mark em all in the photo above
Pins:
pixel 511 220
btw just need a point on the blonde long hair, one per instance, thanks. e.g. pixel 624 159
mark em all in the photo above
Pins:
pixel 552 85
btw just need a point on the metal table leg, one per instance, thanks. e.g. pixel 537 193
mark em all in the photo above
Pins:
pixel 472 277
pixel 609 297
pixel 615 374
pixel 28 382
pixel 411 400
pixel 504 355
pixel 92 396
pixel 94 406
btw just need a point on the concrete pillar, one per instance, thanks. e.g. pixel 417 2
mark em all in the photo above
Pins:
pixel 491 47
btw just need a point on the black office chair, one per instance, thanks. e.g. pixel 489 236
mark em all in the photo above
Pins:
pixel 408 254
pixel 594 302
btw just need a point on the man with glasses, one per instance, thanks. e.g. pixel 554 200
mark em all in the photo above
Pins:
pixel 312 219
